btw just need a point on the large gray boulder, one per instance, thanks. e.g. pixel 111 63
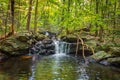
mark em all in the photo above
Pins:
pixel 17 44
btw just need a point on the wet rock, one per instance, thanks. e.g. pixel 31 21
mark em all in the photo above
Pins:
pixel 114 61
pixel 48 34
pixel 104 62
pixel 47 41
pixel 44 47
pixel 105 58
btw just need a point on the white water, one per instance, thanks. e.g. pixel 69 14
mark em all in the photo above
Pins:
pixel 61 48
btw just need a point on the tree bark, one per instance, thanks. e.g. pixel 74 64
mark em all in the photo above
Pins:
pixel 97 11
pixel 6 20
pixel 12 16
pixel 35 18
pixel 29 15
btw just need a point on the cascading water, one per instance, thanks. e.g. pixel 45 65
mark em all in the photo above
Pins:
pixel 61 47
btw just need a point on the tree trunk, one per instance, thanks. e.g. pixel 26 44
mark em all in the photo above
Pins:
pixel 63 10
pixel 29 15
pixel 114 22
pixel 6 20
pixel 97 11
pixel 35 18
pixel 12 17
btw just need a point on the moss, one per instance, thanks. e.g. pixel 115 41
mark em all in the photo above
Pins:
pixel 116 59
pixel 100 55
pixel 114 51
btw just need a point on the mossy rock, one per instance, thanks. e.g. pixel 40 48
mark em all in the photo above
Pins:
pixel 15 44
pixel 39 37
pixel 100 55
pixel 23 38
pixel 114 51
pixel 12 46
pixel 115 59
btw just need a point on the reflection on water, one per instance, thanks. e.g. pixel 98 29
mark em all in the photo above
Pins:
pixel 55 67
pixel 15 69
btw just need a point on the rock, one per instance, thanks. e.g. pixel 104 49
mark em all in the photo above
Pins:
pixel 17 44
pixel 100 55
pixel 104 62
pixel 105 58
pixel 3 57
pixel 39 37
pixel 114 51
pixel 114 60
pixel 44 47
pixel 47 41
pixel 23 38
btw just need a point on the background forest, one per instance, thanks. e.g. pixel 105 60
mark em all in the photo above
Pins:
pixel 98 16
pixel 52 39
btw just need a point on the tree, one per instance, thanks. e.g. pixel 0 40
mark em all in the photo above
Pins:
pixel 35 18
pixel 12 16
pixel 29 15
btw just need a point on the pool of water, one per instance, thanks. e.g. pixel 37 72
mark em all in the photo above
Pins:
pixel 55 67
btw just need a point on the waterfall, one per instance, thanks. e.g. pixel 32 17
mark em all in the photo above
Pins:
pixel 61 47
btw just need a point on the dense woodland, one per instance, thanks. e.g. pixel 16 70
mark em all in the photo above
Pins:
pixel 98 16
pixel 93 25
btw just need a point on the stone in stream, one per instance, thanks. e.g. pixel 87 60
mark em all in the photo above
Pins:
pixel 44 47
pixel 19 43
pixel 49 34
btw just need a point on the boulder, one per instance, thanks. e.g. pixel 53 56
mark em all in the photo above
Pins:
pixel 114 51
pixel 100 55
pixel 44 47
pixel 17 44
pixel 105 58
pixel 114 59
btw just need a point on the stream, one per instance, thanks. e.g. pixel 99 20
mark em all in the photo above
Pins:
pixel 59 66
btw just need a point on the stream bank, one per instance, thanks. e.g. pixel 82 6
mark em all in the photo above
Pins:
pixel 24 42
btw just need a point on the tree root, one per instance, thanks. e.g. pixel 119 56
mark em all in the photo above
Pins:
pixel 83 47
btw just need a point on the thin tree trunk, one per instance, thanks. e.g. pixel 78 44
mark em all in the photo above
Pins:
pixel 101 31
pixel 115 15
pixel 97 11
pixel 29 15
pixel 35 18
pixel 6 20
pixel 114 23
pixel 12 17
pixel 19 17
pixel 63 10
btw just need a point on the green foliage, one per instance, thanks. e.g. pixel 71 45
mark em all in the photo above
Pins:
pixel 70 14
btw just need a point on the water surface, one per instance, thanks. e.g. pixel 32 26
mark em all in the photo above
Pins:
pixel 55 67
